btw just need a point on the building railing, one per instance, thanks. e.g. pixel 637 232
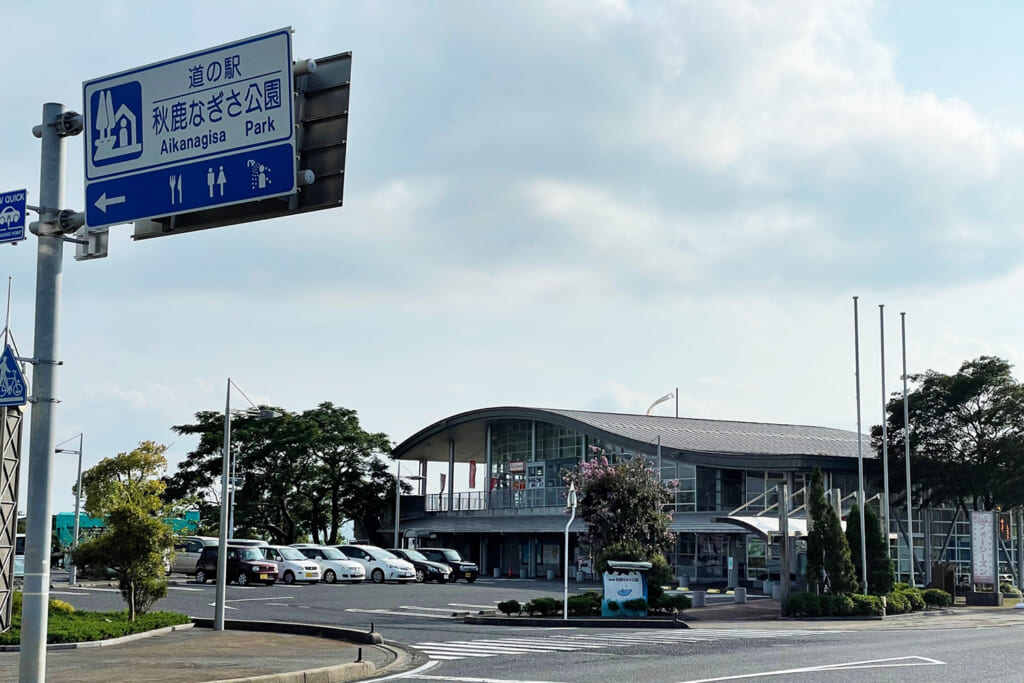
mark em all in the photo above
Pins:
pixel 501 499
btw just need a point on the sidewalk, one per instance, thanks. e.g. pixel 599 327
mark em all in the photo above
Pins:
pixel 197 655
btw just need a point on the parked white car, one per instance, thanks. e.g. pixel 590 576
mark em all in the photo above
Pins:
pixel 292 565
pixel 334 566
pixel 379 563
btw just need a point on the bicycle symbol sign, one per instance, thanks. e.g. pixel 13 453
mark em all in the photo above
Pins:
pixel 12 382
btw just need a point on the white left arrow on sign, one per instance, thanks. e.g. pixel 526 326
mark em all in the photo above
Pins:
pixel 104 201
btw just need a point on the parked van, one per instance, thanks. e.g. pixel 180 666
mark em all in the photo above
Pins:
pixel 187 550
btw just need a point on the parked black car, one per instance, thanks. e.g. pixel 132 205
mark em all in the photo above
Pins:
pixel 245 565
pixel 460 567
pixel 426 570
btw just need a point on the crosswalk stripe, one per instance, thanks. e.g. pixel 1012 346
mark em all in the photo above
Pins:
pixel 495 647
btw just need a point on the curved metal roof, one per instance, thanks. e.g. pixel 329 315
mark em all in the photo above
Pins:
pixel 698 440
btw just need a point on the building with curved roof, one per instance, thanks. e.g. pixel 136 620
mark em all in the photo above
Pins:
pixel 513 518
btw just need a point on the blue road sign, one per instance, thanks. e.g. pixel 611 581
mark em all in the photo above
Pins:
pixel 13 387
pixel 12 216
pixel 203 130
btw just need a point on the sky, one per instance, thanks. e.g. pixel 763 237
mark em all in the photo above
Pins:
pixel 577 205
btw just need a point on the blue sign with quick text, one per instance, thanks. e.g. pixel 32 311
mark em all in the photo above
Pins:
pixel 13 387
pixel 12 216
pixel 203 130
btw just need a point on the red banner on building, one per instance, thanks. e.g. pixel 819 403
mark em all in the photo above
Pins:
pixel 472 474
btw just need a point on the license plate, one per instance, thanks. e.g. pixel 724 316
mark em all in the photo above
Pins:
pixel 310 574
pixel 264 576
pixel 469 574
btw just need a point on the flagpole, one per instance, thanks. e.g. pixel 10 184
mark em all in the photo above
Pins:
pixel 860 453
pixel 885 438
pixel 906 449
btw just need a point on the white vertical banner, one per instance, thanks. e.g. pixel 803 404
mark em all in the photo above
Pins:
pixel 983 561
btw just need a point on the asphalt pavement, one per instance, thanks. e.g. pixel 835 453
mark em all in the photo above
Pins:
pixel 196 654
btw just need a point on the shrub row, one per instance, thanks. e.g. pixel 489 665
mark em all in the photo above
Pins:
pixel 589 605
pixel 902 599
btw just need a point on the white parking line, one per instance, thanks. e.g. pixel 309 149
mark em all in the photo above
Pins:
pixel 462 604
pixel 402 614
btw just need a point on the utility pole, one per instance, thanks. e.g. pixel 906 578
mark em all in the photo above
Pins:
pixel 57 124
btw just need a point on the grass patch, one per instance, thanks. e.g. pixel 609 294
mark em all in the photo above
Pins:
pixel 75 626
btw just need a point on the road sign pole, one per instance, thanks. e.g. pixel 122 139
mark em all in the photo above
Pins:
pixel 32 659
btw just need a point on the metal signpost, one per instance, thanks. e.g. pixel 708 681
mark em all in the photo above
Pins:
pixel 12 216
pixel 208 129
pixel 202 140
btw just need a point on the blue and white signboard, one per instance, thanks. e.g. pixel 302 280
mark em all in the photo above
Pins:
pixel 12 216
pixel 207 129
pixel 13 387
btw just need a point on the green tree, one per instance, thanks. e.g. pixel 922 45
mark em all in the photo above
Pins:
pixel 303 474
pixel 966 437
pixel 881 573
pixel 125 491
pixel 624 508
pixel 828 553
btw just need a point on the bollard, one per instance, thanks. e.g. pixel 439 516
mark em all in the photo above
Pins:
pixel 359 656
pixel 699 598
pixel 739 595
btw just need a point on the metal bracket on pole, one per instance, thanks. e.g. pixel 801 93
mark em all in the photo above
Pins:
pixel 38 361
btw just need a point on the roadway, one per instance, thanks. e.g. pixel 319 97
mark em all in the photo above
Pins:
pixel 423 618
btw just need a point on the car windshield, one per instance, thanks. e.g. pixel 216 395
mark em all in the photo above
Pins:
pixel 249 554
pixel 416 555
pixel 291 554
pixel 451 555
pixel 380 554
pixel 334 554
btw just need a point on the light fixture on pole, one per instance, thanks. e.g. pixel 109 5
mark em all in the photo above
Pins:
pixel 667 397
pixel 73 570
pixel 565 587
pixel 398 494
pixel 222 543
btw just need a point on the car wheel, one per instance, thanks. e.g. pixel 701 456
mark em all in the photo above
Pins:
pixel 471 579
pixel 242 579
pixel 330 576
pixel 288 578
pixel 377 576
pixel 421 576
pixel 200 576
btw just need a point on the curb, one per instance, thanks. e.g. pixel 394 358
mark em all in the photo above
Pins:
pixel 107 642
pixel 316 630
pixel 576 622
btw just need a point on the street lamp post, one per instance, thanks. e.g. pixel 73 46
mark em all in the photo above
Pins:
pixel 667 397
pixel 222 541
pixel 73 570
pixel 398 494
pixel 565 587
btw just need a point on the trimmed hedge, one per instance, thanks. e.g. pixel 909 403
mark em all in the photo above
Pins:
pixel 510 607
pixel 585 605
pixel 802 604
pixel 867 605
pixel 936 597
pixel 897 603
pixel 672 603
pixel 545 607
pixel 836 605
pixel 635 605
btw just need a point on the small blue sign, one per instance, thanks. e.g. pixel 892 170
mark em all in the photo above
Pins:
pixel 13 387
pixel 12 216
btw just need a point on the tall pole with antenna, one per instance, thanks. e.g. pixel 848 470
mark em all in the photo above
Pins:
pixel 906 449
pixel 885 438
pixel 860 454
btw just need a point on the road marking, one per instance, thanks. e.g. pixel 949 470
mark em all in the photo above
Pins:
pixel 191 590
pixel 403 614
pixel 429 609
pixel 463 604
pixel 407 674
pixel 891 662
pixel 569 642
